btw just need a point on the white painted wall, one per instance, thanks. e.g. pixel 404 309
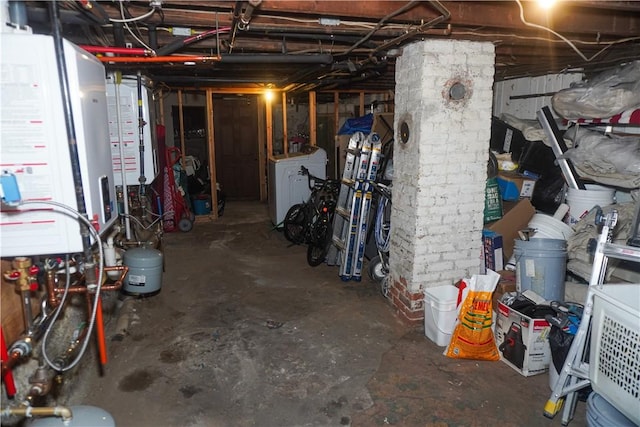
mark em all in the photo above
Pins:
pixel 526 108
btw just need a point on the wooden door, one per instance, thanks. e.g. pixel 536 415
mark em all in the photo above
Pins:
pixel 236 145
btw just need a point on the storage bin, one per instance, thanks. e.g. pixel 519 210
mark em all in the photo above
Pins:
pixel 202 205
pixel 440 313
pixel 613 360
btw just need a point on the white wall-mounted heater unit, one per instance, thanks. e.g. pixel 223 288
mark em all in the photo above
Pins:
pixel 129 126
pixel 35 145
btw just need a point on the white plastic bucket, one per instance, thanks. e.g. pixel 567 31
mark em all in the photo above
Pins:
pixel 440 313
pixel 541 265
pixel 548 227
pixel 582 201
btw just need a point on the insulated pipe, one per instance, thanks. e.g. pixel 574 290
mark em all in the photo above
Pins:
pixel 229 59
pixel 117 50
pixel 153 36
pixel 159 59
pixel 277 59
pixel 178 44
pixel 102 343
pixel 70 126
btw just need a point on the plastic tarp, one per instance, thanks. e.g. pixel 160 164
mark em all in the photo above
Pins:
pixel 357 124
pixel 609 160
pixel 607 94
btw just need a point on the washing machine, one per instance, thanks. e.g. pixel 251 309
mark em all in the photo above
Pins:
pixel 287 185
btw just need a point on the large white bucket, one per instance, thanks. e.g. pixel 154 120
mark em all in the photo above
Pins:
pixel 548 227
pixel 582 201
pixel 440 313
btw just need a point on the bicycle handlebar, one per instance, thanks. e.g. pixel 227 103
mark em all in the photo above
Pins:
pixel 310 178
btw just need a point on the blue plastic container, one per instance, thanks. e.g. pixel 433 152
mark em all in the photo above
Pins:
pixel 202 206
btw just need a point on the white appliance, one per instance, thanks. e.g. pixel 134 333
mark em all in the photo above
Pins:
pixel 129 125
pixel 35 146
pixel 287 185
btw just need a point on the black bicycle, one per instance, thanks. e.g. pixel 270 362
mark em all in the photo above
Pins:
pixel 311 222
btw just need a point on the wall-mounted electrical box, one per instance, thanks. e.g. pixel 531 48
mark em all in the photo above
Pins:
pixel 35 145
pixel 129 131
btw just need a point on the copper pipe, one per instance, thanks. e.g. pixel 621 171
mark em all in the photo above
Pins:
pixel 28 411
pixel 170 58
pixel 52 300
pixel 113 287
pixel 118 283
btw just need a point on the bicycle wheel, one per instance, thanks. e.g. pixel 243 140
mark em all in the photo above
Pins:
pixel 295 223
pixel 319 245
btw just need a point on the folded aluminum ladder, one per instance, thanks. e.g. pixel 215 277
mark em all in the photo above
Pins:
pixel 354 202
pixel 341 217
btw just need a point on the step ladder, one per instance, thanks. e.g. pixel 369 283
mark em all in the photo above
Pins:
pixel 575 371
pixel 351 221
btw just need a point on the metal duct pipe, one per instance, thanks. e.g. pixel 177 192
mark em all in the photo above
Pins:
pixel 18 13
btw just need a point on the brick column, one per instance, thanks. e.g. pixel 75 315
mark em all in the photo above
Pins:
pixel 443 111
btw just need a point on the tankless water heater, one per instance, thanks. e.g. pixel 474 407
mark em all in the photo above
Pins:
pixel 35 146
pixel 136 161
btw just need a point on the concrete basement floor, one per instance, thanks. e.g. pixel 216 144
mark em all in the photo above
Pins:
pixel 245 333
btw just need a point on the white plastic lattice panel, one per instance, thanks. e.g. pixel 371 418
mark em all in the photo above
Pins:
pixel 615 347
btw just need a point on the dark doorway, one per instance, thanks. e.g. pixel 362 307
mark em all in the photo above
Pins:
pixel 196 152
pixel 236 146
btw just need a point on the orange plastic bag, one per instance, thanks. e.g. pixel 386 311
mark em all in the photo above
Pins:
pixel 472 337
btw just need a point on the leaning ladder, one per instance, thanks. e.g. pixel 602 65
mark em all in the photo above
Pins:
pixel 341 217
pixel 575 371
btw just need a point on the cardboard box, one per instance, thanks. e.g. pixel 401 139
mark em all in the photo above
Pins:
pixel 507 283
pixel 492 251
pixel 515 219
pixel 514 186
pixel 523 342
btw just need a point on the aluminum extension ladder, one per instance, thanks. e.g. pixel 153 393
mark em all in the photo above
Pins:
pixel 351 219
pixel 575 371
